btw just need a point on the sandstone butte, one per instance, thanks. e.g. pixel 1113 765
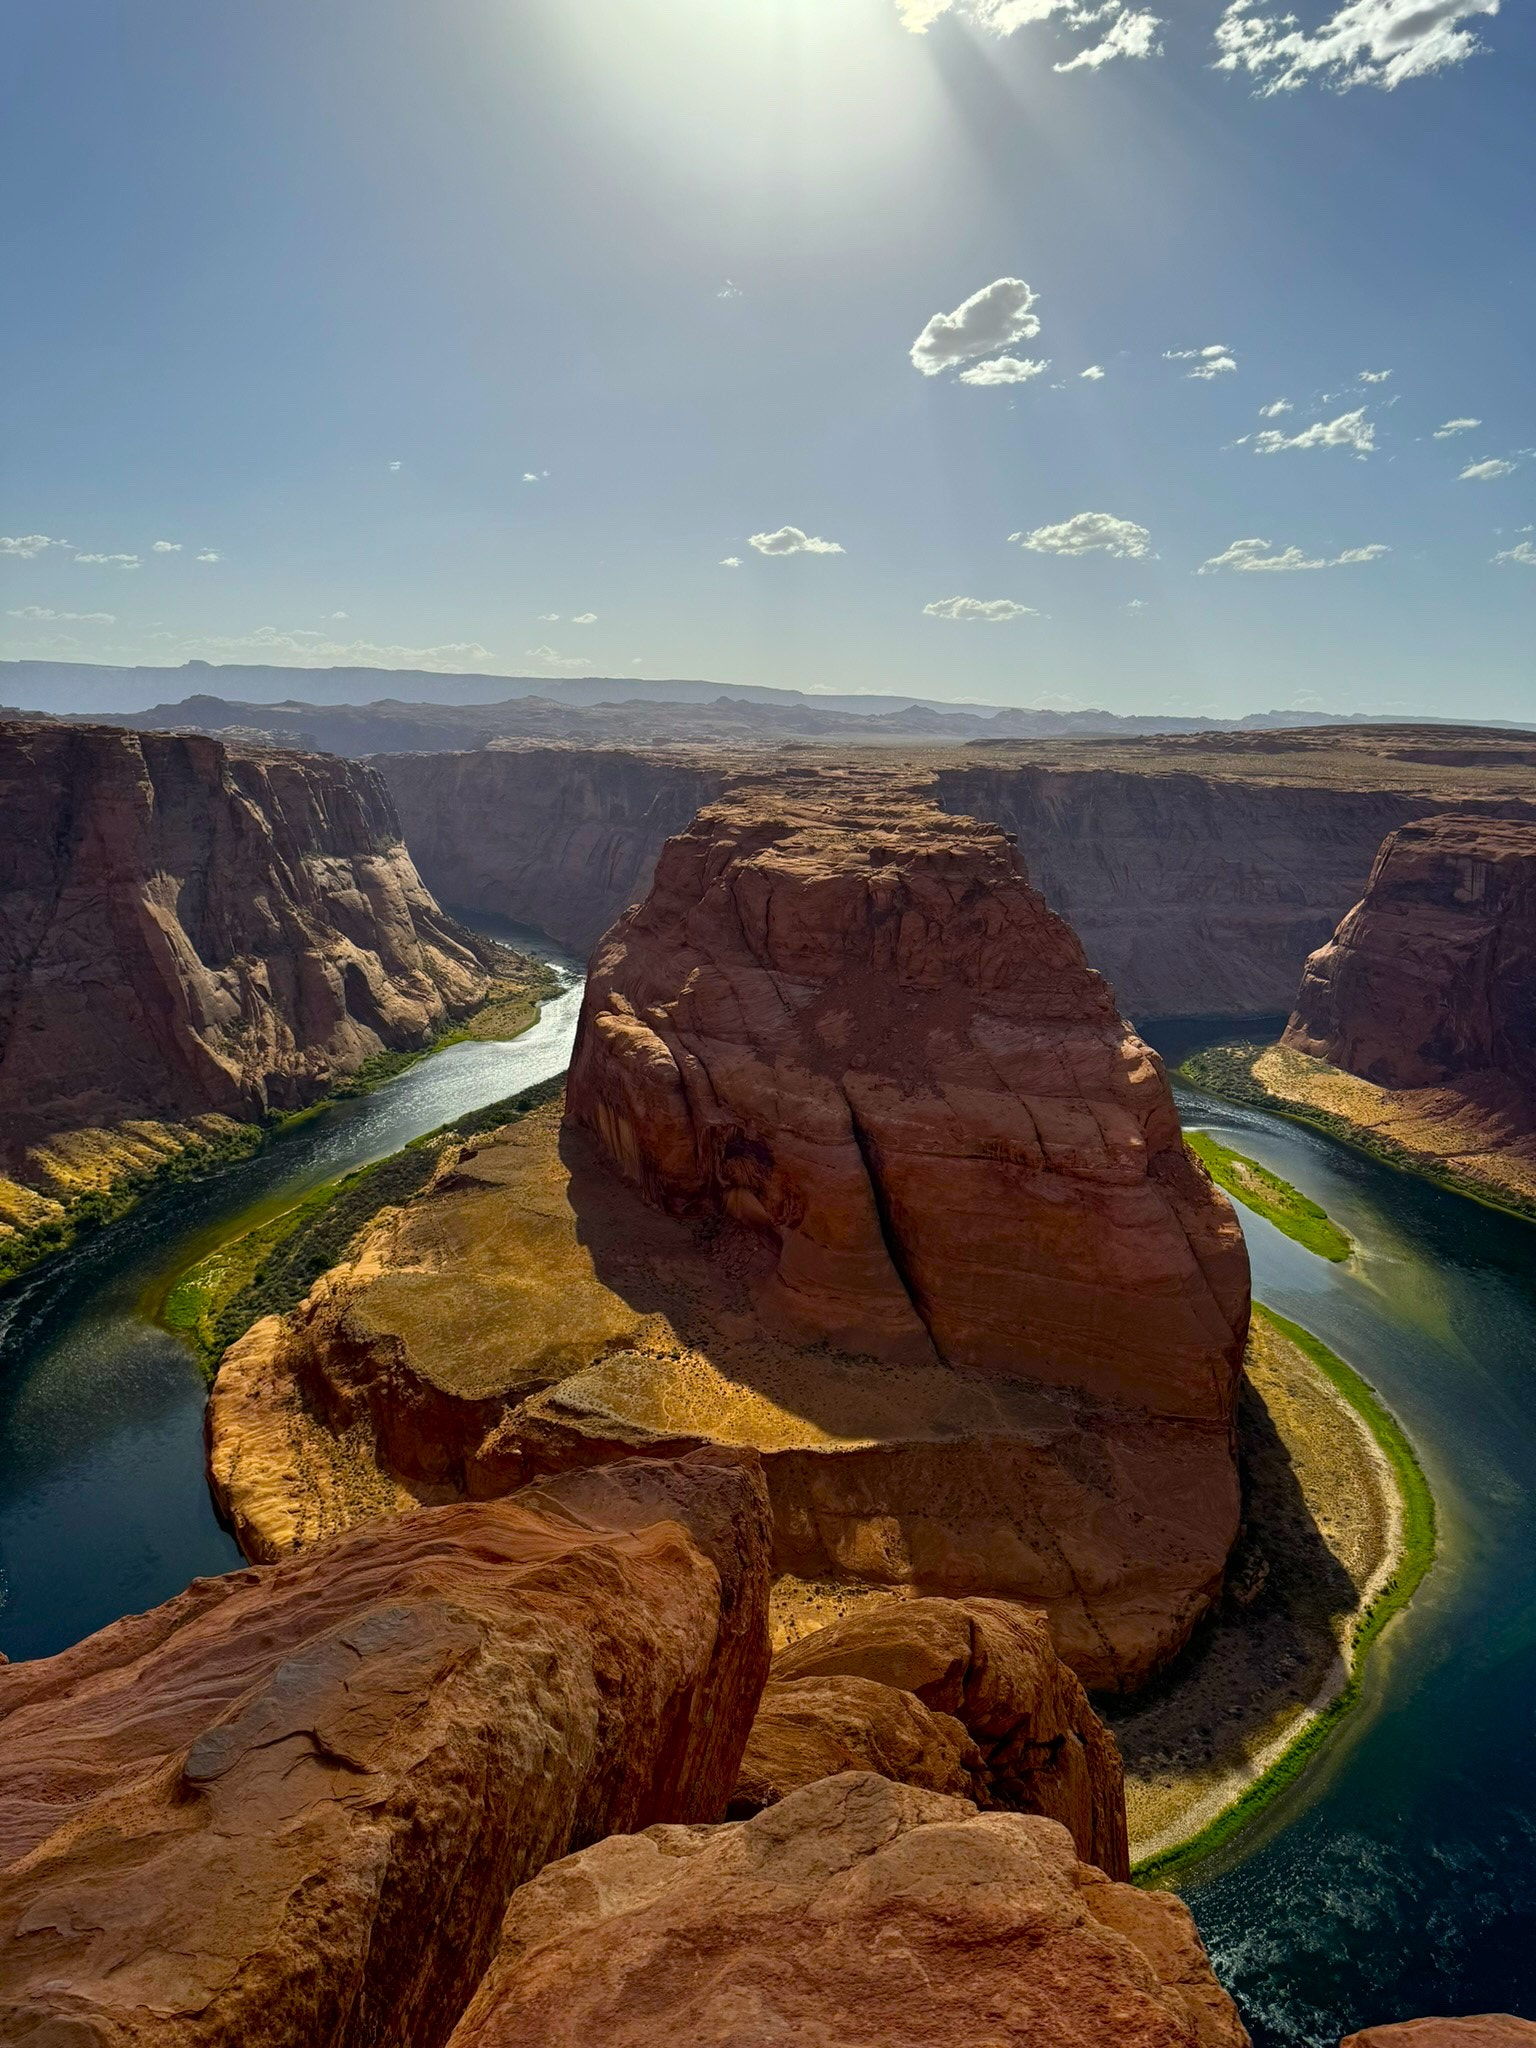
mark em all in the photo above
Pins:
pixel 189 930
pixel 966 1697
pixel 856 1911
pixel 861 1168
pixel 288 1807
pixel 1430 981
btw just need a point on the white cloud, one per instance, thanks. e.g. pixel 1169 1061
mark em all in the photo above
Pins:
pixel 1367 42
pixel 1214 360
pixel 1130 35
pixel 584 618
pixel 1086 532
pixel 988 320
pixel 789 540
pixel 1349 430
pixel 994 611
pixel 531 476
pixel 1482 472
pixel 1522 551
pixel 338 615
pixel 1094 371
pixel 1374 376
pixel 394 465
pixel 1274 410
pixel 42 611
pixel 1137 604
pixel 112 561
pixel 1253 554
pixel 1004 370
pixel 549 657
pixel 166 547
pixel 27 545
pixel 730 562
pixel 210 555
pixel 302 648
pixel 729 290
pixel 1444 433
pixel 549 618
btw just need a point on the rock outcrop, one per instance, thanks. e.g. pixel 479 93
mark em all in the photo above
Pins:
pixel 854 1911
pixel 847 1021
pixel 188 930
pixel 1430 981
pixel 952 1696
pixel 1482 2030
pixel 290 1806
pixel 920 1228
pixel 561 838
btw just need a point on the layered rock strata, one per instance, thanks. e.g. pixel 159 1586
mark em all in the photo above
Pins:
pixel 854 1911
pixel 917 1223
pixel 188 930
pixel 953 1696
pixel 290 1806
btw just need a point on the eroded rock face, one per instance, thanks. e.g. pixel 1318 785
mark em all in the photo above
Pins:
pixel 855 1910
pixel 847 1019
pixel 1430 981
pixel 1482 2030
pixel 187 929
pixel 1002 1720
pixel 290 1805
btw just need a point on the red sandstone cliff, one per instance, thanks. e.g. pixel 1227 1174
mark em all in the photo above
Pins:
pixel 1430 981
pixel 187 929
pixel 848 1020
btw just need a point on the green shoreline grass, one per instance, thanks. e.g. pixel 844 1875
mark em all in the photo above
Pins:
pixel 268 1269
pixel 1267 1195
pixel 1226 1071
pixel 1418 1554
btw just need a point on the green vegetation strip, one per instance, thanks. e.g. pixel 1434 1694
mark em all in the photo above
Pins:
pixel 1227 1070
pixel 269 1270
pixel 1271 1197
pixel 1418 1554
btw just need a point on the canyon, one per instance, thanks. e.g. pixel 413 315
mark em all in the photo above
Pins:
pixel 193 937
pixel 860 1168
pixel 1199 870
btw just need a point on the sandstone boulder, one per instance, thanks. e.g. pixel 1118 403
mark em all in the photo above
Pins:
pixel 1482 2030
pixel 983 1670
pixel 858 1912
pixel 287 1809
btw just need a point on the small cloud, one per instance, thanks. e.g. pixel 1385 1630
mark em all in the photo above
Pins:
pixel 1374 376
pixel 1004 370
pixel 1214 360
pixel 339 615
pixel 1367 42
pixel 730 562
pixel 531 476
pixel 789 540
pixel 1087 532
pixel 1250 555
pixel 1094 371
pixel 1137 604
pixel 166 547
pixel 1522 551
pixel 549 618
pixel 209 555
pixel 550 657
pixel 394 465
pixel 995 611
pixel 1130 35
pixel 1444 433
pixel 1349 430
pixel 584 618
pixel 729 290
pixel 38 612
pixel 111 561
pixel 1484 472
pixel 989 320
pixel 1275 409
pixel 27 545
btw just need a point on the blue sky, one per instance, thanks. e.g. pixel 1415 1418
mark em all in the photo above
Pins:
pixel 407 327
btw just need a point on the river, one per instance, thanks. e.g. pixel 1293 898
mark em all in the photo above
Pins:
pixel 1398 1877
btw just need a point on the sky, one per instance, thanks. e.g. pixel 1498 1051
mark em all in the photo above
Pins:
pixel 1042 352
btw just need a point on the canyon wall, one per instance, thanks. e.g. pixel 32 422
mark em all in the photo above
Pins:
pixel 560 838
pixel 188 930
pixel 1431 979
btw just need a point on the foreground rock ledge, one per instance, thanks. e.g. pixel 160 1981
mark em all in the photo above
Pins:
pixel 856 1911
pixel 289 1806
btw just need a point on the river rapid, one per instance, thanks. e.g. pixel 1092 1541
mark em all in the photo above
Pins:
pixel 1398 1877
